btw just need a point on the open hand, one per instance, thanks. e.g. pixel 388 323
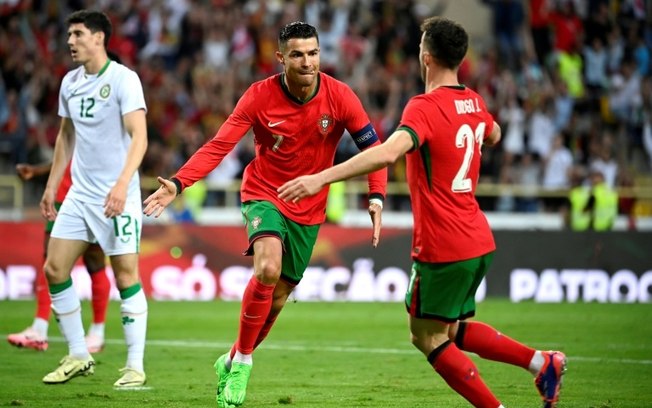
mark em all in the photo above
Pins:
pixel 376 213
pixel 161 198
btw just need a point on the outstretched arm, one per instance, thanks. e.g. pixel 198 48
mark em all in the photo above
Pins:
pixel 377 157
pixel 202 162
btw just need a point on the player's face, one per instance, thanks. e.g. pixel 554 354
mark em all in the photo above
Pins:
pixel 300 59
pixel 83 43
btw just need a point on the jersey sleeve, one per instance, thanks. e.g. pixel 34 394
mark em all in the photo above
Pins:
pixel 364 135
pixel 211 154
pixel 354 115
pixel 130 93
pixel 413 119
pixel 63 110
pixel 377 180
pixel 489 119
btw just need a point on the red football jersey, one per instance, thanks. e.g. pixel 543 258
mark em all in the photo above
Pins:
pixel 64 185
pixel 448 125
pixel 292 138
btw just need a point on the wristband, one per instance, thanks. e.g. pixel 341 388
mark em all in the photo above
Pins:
pixel 177 183
pixel 376 201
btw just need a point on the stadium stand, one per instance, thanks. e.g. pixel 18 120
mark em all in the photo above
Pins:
pixel 571 86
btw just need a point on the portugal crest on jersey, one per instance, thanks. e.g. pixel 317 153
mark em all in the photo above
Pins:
pixel 255 223
pixel 325 123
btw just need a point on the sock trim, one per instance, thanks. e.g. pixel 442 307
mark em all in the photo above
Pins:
pixel 130 291
pixel 436 352
pixel 459 338
pixel 60 287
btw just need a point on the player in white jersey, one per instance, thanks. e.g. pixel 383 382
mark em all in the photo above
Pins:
pixel 103 129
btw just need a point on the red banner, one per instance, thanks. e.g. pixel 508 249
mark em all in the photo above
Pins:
pixel 190 262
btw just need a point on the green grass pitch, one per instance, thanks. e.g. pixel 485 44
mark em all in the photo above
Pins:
pixel 338 355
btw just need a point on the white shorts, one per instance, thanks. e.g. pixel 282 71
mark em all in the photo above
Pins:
pixel 86 222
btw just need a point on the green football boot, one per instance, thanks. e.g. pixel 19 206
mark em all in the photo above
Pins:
pixel 235 389
pixel 222 372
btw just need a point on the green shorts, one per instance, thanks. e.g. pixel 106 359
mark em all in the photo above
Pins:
pixel 446 291
pixel 263 219
pixel 50 224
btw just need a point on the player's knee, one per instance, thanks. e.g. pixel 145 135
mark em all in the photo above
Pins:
pixel 268 270
pixel 53 273
pixel 126 280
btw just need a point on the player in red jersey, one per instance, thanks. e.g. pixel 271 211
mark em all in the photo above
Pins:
pixel 442 132
pixel 36 336
pixel 298 118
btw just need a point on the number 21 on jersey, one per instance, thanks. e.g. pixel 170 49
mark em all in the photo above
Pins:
pixel 467 139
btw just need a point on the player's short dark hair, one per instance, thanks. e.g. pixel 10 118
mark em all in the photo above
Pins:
pixel 296 29
pixel 95 21
pixel 445 40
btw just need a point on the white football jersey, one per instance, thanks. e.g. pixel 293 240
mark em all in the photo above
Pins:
pixel 96 105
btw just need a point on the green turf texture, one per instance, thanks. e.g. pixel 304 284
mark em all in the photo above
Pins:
pixel 338 355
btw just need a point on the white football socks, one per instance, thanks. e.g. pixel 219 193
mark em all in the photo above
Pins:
pixel 243 358
pixel 97 329
pixel 536 363
pixel 67 309
pixel 134 323
pixel 41 327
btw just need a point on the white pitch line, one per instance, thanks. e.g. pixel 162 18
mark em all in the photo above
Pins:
pixel 128 389
pixel 333 349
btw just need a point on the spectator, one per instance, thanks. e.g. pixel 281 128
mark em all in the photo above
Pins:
pixel 541 127
pixel 508 23
pixel 615 49
pixel 512 116
pixel 576 218
pixel 539 20
pixel 595 66
pixel 603 203
pixel 570 68
pixel 527 175
pixel 557 165
pixel 202 55
pixel 567 26
pixel 624 92
pixel 604 163
pixel 13 125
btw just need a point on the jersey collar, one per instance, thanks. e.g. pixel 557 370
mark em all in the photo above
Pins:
pixel 459 87
pixel 287 93
pixel 99 74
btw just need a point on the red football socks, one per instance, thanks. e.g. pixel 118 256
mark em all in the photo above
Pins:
pixel 256 305
pixel 264 331
pixel 101 290
pixel 462 375
pixel 43 300
pixel 490 344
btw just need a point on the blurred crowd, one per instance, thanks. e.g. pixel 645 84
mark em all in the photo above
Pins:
pixel 569 81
